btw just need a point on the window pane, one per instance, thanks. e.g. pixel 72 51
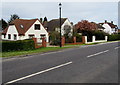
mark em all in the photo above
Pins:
pixel 37 26
pixel 9 36
pixel 15 37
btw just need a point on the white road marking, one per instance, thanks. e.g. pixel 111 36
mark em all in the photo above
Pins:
pixel 98 53
pixel 51 53
pixel 39 73
pixel 117 47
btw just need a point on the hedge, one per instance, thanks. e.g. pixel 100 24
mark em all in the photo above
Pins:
pixel 100 35
pixel 17 45
pixel 114 37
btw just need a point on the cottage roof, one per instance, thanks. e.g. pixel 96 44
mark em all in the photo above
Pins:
pixel 55 23
pixel 100 26
pixel 110 24
pixel 22 25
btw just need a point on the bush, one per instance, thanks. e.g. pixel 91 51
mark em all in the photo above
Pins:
pixel 17 45
pixel 54 38
pixel 89 35
pixel 68 39
pixel 78 37
pixel 100 35
pixel 114 37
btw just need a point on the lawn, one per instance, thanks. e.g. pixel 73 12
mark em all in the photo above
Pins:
pixel 39 50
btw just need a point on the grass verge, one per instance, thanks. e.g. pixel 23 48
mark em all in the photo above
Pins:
pixel 39 50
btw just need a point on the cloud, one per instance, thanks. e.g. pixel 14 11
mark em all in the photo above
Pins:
pixel 75 11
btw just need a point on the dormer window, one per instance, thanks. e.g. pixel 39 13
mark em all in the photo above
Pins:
pixel 37 26
pixel 21 26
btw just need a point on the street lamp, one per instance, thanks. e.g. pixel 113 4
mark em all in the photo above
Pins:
pixel 60 22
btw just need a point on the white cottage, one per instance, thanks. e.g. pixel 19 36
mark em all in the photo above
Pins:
pixel 21 29
pixel 54 25
pixel 109 28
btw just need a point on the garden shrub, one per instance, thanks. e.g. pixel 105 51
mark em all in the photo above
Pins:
pixel 100 35
pixel 17 45
pixel 114 37
pixel 54 38
pixel 78 37
pixel 68 39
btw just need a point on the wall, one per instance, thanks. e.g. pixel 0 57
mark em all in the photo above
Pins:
pixel 94 40
pixel 107 28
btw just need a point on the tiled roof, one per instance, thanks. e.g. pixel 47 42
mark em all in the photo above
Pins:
pixel 110 24
pixel 55 23
pixel 22 25
pixel 100 26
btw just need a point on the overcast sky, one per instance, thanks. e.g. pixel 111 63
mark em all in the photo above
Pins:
pixel 74 11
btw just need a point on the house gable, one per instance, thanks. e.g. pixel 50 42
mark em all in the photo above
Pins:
pixel 55 23
pixel 11 30
pixel 66 23
pixel 36 33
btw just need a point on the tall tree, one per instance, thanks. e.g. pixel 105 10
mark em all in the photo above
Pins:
pixel 85 25
pixel 4 24
pixel 13 17
pixel 45 19
pixel 41 20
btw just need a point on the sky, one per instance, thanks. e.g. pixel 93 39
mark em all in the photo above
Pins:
pixel 75 11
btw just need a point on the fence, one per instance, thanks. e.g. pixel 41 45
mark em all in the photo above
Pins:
pixel 84 40
pixel 94 40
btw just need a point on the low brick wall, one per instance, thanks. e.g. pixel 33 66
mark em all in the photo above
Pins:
pixel 76 43
pixel 39 46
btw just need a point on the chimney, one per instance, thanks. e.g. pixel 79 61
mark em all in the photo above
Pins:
pixel 112 22
pixel 105 21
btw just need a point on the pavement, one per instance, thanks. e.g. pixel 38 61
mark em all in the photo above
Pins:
pixel 84 64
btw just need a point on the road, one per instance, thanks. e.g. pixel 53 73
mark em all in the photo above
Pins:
pixel 84 64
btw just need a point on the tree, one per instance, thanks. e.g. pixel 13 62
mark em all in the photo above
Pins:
pixel 45 19
pixel 4 24
pixel 86 26
pixel 13 17
pixel 41 20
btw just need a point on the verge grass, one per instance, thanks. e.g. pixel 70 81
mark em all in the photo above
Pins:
pixel 39 50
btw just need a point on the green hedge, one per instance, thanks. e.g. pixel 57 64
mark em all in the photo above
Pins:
pixel 100 35
pixel 17 45
pixel 114 37
pixel 78 38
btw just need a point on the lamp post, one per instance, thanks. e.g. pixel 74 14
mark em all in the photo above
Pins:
pixel 60 22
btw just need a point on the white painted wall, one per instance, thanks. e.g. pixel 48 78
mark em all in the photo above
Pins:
pixel 107 29
pixel 94 40
pixel 11 30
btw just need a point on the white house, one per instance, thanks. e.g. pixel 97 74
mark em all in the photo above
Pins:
pixel 54 25
pixel 110 28
pixel 21 29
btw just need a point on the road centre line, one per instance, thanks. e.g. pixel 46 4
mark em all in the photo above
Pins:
pixel 97 53
pixel 117 47
pixel 34 74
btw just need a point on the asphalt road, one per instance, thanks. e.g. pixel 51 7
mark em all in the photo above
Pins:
pixel 85 64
